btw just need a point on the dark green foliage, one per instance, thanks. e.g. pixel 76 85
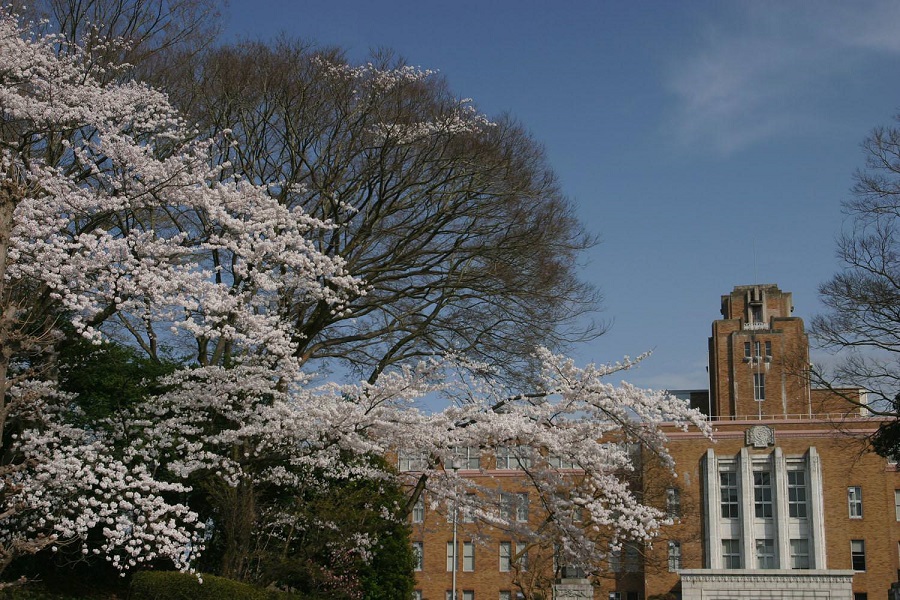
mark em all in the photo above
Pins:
pixel 323 559
pixel 886 441
pixel 64 575
pixel 108 377
pixel 28 592
pixel 172 585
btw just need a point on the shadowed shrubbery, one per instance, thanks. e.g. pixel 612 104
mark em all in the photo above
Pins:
pixel 172 585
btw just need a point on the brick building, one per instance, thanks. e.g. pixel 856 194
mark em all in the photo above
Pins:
pixel 785 503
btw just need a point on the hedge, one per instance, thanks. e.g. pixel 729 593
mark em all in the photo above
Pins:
pixel 172 585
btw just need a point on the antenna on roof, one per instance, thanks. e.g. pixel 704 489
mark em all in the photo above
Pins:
pixel 755 268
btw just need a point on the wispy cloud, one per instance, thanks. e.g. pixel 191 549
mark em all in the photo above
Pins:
pixel 759 74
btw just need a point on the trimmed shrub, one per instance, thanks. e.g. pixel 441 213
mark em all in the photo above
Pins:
pixel 173 585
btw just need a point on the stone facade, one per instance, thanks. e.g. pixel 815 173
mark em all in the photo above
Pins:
pixel 709 584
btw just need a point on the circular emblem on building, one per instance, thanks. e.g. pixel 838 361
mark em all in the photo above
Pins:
pixel 759 436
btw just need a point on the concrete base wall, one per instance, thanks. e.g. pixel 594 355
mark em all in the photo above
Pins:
pixel 739 584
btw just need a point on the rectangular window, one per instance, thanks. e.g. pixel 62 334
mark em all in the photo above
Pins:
pixel 505 556
pixel 514 506
pixel 674 555
pixel 468 595
pixel 615 560
pixel 632 558
pixel 505 595
pixel 466 457
pixel 467 512
pixel 854 501
pixel 757 353
pixel 897 504
pixel 800 554
pixel 768 349
pixel 468 556
pixel 451 556
pixel 747 353
pixel 522 507
pixel 860 596
pixel 731 554
pixel 418 555
pixel 797 494
pixel 521 556
pixel 858 555
pixel 759 386
pixel 411 460
pixel 615 596
pixel 729 494
pixel 418 511
pixel 765 554
pixel 673 503
pixel 762 494
pixel 513 457
pixel 559 462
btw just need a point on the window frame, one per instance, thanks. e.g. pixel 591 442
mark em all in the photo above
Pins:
pixel 632 558
pixel 799 555
pixel 505 557
pixel 614 560
pixel 858 556
pixel 897 504
pixel 674 555
pixel 468 557
pixel 451 557
pixel 410 460
pixel 466 458
pixel 673 502
pixel 855 502
pixel 759 387
pixel 733 501
pixel 796 503
pixel 731 554
pixel 418 510
pixel 558 462
pixel 765 554
pixel 514 506
pixel 521 556
pixel 763 499
pixel 419 555
pixel 513 458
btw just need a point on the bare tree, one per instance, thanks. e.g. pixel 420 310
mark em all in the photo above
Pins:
pixel 863 299
pixel 154 37
pixel 456 224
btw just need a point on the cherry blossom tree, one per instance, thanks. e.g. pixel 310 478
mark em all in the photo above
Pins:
pixel 109 220
pixel 116 221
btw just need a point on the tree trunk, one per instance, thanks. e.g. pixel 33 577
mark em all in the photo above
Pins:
pixel 237 506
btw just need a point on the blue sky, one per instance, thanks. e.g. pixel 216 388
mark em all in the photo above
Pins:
pixel 709 144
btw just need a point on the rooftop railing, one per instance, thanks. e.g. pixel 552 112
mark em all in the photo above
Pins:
pixel 834 416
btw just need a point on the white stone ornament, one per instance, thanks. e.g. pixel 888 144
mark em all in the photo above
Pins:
pixel 759 436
